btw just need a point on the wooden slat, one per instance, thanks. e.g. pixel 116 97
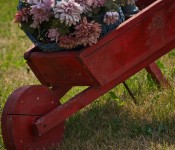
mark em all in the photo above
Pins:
pixel 134 45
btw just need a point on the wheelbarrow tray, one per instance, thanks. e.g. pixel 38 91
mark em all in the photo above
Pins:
pixel 135 44
pixel 32 117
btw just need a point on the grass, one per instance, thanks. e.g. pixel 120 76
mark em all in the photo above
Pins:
pixel 108 123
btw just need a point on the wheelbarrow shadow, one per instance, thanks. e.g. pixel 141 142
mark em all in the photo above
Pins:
pixel 105 124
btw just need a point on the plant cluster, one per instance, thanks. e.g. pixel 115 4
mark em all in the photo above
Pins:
pixel 69 23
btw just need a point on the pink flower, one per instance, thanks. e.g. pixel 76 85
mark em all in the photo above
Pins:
pixel 41 12
pixel 68 42
pixel 111 17
pixel 22 15
pixel 32 1
pixel 89 2
pixel 53 34
pixel 86 4
pixel 68 12
pixel 49 3
pixel 87 33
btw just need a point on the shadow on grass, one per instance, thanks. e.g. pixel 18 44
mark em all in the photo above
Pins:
pixel 106 125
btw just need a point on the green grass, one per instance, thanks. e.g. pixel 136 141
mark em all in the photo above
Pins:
pixel 107 123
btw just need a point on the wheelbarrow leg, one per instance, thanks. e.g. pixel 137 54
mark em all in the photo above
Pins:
pixel 56 116
pixel 61 90
pixel 157 75
pixel 130 93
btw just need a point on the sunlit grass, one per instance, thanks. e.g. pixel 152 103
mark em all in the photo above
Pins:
pixel 104 124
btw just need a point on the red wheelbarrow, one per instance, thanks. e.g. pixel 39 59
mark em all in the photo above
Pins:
pixel 33 118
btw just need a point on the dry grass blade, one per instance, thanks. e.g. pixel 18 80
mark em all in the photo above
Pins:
pixel 104 124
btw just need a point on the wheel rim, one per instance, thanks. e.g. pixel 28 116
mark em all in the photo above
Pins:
pixel 22 108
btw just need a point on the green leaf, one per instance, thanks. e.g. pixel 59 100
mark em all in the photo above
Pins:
pixel 96 10
pixel 113 95
pixel 63 29
pixel 160 64
pixel 109 4
pixel 116 98
pixel 171 54
pixel 150 80
pixel 162 128
pixel 26 27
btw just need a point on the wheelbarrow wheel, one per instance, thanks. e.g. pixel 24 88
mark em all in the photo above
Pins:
pixel 22 108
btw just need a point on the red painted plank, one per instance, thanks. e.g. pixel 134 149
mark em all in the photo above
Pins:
pixel 144 3
pixel 25 105
pixel 124 27
pixel 115 65
pixel 59 68
pixel 157 75
pixel 39 96
pixel 22 135
pixel 134 45
pixel 61 90
pixel 57 115
pixel 108 55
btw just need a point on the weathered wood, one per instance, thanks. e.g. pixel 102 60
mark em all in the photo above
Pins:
pixel 144 3
pixel 119 56
pixel 119 52
pixel 63 68
pixel 137 39
pixel 24 106
pixel 61 90
pixel 134 45
pixel 157 75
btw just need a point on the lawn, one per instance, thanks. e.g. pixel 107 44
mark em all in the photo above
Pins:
pixel 111 122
